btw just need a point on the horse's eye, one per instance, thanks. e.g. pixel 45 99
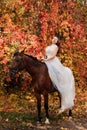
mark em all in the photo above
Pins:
pixel 17 60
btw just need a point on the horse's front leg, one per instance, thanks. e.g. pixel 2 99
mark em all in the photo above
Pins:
pixel 38 97
pixel 46 108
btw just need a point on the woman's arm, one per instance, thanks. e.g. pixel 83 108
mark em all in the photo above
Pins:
pixel 54 50
pixel 44 57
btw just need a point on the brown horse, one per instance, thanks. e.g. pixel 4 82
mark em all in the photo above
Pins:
pixel 40 79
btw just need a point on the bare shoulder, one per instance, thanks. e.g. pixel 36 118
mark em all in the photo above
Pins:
pixel 54 46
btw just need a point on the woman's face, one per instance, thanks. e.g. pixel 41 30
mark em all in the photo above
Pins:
pixel 54 40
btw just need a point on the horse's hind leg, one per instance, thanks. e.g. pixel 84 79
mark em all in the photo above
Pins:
pixel 70 113
pixel 59 100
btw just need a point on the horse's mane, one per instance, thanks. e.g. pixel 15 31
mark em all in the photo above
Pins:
pixel 30 56
pixel 34 58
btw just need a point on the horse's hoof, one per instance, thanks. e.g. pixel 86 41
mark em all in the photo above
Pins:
pixel 60 111
pixel 47 121
pixel 70 117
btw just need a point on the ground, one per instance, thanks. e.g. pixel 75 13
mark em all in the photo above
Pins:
pixel 77 123
pixel 18 112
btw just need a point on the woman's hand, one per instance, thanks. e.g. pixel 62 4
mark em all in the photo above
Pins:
pixel 44 58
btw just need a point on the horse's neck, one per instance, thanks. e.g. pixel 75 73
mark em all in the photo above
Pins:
pixel 31 65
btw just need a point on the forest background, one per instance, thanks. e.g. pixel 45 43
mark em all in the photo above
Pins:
pixel 29 25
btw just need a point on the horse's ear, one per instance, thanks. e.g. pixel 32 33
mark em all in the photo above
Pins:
pixel 22 52
pixel 16 53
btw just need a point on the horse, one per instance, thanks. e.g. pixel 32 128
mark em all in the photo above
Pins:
pixel 41 81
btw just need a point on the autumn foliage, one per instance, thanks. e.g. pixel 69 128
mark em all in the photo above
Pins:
pixel 29 25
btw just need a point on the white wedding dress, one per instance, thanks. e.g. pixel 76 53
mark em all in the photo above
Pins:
pixel 61 76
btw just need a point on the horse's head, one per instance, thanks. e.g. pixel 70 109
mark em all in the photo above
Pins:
pixel 17 64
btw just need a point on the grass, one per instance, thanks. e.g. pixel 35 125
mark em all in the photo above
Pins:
pixel 21 121
pixel 13 116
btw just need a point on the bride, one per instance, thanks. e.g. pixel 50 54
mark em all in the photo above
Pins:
pixel 61 76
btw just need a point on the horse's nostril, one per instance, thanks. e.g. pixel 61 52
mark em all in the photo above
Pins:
pixel 12 74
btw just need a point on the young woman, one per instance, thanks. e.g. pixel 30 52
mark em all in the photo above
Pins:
pixel 61 76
